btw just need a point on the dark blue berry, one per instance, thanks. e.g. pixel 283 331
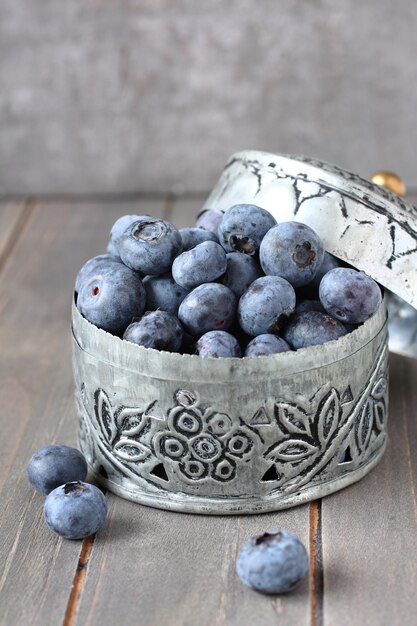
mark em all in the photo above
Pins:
pixel 266 344
pixel 150 245
pixel 209 220
pixel 309 305
pixel 349 296
pixel 55 465
pixel 293 251
pixel 118 229
pixel 218 343
pixel 265 305
pixel 191 237
pixel 243 226
pixel 111 299
pixel 156 329
pixel 94 266
pixel 272 563
pixel 241 271
pixel 202 264
pixel 312 328
pixel 210 306
pixel 162 292
pixel 75 510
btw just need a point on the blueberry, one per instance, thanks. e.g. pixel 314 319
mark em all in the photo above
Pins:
pixel 349 296
pixel 312 328
pixel 243 226
pixel 218 343
pixel 111 299
pixel 202 264
pixel 210 306
pixel 117 230
pixel 273 562
pixel 162 292
pixel 241 271
pixel 75 510
pixel 209 220
pixel 265 305
pixel 266 344
pixel 191 237
pixel 293 251
pixel 156 329
pixel 309 305
pixel 150 245
pixel 55 465
pixel 94 266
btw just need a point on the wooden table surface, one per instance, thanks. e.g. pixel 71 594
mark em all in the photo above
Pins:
pixel 147 566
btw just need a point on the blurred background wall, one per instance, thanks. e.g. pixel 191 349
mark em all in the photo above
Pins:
pixel 106 96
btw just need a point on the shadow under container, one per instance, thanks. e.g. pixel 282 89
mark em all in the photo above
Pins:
pixel 230 436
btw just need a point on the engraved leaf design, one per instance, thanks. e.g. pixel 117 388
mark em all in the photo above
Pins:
pixel 294 419
pixel 293 450
pixel 130 450
pixel 328 415
pixel 379 414
pixel 380 388
pixel 129 420
pixel 363 425
pixel 104 415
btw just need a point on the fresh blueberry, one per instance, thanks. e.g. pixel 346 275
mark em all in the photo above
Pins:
pixel 162 292
pixel 202 264
pixel 349 296
pixel 293 251
pixel 55 465
pixel 243 226
pixel 94 266
pixel 150 245
pixel 111 299
pixel 241 271
pixel 265 305
pixel 218 343
pixel 309 305
pixel 312 328
pixel 273 562
pixel 266 344
pixel 191 237
pixel 156 329
pixel 117 230
pixel 209 220
pixel 75 510
pixel 210 306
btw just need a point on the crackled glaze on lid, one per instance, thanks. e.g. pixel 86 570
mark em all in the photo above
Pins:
pixel 364 224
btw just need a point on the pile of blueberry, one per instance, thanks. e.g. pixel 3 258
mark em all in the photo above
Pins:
pixel 238 284
pixel 73 508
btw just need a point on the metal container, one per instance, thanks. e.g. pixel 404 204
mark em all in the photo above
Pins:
pixel 225 436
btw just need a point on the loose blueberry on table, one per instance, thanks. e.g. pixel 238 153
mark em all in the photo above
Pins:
pixel 75 510
pixel 55 465
pixel 270 287
pixel 272 563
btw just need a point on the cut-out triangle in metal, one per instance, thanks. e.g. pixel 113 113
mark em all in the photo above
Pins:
pixel 347 396
pixel 260 417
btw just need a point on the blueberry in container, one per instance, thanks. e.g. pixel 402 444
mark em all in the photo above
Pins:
pixel 247 435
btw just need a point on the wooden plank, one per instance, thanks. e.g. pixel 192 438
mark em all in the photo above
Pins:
pixel 184 211
pixel 36 397
pixel 156 567
pixel 370 529
pixel 12 214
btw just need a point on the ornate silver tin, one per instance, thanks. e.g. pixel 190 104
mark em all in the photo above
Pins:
pixel 225 436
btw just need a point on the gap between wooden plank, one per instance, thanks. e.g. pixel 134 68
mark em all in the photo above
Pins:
pixel 316 564
pixel 17 231
pixel 79 581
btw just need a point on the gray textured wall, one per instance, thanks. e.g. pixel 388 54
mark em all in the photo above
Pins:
pixel 113 95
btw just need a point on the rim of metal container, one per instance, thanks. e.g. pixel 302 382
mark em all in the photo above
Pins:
pixel 166 365
pixel 382 238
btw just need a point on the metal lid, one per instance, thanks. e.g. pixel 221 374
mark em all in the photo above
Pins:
pixel 364 224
